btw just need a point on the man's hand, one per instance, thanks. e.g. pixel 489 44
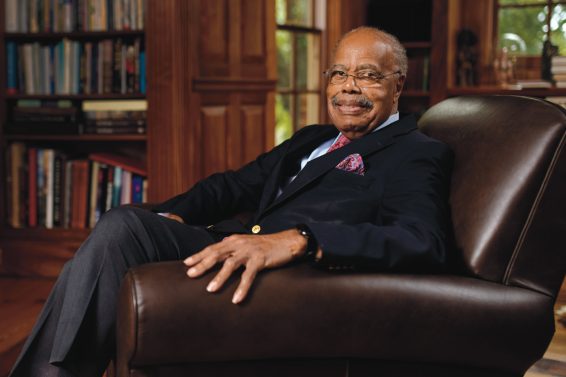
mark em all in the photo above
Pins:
pixel 254 252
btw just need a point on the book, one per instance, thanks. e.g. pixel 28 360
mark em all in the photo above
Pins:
pixel 49 172
pixel 137 188
pixel 11 67
pixel 79 193
pixel 130 164
pixel 534 84
pixel 32 189
pixel 115 105
pixel 67 193
pixel 93 193
pixel 11 16
pixel 14 180
pixel 126 192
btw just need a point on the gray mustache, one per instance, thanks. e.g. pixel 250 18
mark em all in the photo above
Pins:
pixel 360 100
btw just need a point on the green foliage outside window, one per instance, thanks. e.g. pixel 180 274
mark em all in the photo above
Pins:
pixel 523 29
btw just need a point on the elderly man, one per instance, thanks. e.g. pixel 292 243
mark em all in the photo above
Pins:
pixel 367 192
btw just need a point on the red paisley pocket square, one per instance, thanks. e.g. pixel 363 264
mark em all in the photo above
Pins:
pixel 353 164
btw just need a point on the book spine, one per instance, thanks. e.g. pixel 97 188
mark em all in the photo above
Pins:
pixel 126 193
pixel 32 187
pixel 67 194
pixel 117 187
pixel 117 66
pixel 109 188
pixel 107 65
pixel 41 189
pixel 137 188
pixel 93 195
pixel 142 73
pixel 11 67
pixel 49 165
pixel 11 16
pixel 16 156
pixel 58 189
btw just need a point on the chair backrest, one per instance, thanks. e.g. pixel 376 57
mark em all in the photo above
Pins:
pixel 508 193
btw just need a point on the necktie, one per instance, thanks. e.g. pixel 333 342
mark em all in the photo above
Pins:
pixel 342 140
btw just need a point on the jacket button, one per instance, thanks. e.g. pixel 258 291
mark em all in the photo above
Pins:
pixel 256 229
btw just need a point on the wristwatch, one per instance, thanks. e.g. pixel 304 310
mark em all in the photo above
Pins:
pixel 312 245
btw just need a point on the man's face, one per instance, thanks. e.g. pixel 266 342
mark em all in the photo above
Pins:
pixel 355 107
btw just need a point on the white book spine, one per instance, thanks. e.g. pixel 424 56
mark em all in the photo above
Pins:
pixel 11 16
pixel 126 192
pixel 49 160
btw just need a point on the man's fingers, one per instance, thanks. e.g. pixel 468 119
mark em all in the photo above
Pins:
pixel 230 265
pixel 203 266
pixel 252 268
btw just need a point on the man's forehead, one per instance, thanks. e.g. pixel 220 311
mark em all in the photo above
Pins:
pixel 357 67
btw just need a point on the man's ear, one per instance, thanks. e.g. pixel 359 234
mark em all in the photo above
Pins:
pixel 400 83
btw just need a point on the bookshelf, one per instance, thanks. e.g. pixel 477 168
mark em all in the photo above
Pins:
pixel 65 59
pixel 210 107
pixel 423 33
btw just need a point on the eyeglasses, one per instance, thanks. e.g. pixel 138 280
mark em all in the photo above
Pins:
pixel 362 78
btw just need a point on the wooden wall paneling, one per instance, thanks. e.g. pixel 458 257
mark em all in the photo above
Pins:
pixel 214 121
pixel 253 131
pixel 172 136
pixel 253 38
pixel 215 37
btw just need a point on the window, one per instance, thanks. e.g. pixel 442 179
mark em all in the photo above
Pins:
pixel 523 25
pixel 298 67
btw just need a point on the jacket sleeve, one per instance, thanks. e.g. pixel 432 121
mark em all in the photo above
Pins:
pixel 222 195
pixel 412 228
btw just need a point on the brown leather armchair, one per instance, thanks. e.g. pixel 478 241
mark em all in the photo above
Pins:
pixel 491 317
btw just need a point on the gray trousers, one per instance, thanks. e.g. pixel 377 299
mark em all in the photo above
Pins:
pixel 75 332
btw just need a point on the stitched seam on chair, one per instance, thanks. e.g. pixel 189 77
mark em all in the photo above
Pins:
pixel 136 319
pixel 534 208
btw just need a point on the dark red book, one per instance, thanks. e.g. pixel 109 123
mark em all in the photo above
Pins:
pixel 79 193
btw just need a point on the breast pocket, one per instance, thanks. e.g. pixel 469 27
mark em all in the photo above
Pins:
pixel 342 178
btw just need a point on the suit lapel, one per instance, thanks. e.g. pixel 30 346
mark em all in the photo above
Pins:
pixel 298 148
pixel 365 146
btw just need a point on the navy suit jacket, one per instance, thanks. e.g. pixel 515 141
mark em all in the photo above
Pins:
pixel 394 216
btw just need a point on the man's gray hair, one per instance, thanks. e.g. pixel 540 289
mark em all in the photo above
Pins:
pixel 399 52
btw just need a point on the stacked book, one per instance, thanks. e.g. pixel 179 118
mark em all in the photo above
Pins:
pixel 114 117
pixel 43 117
pixel 559 100
pixel 558 69
pixel 34 16
pixel 47 188
pixel 71 67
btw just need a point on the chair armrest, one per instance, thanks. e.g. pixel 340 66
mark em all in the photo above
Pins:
pixel 165 317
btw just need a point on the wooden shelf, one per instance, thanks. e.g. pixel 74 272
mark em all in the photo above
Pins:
pixel 416 45
pixel 75 96
pixel 89 137
pixel 494 90
pixel 47 36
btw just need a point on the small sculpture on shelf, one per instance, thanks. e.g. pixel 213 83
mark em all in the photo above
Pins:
pixel 504 68
pixel 467 58
pixel 548 51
